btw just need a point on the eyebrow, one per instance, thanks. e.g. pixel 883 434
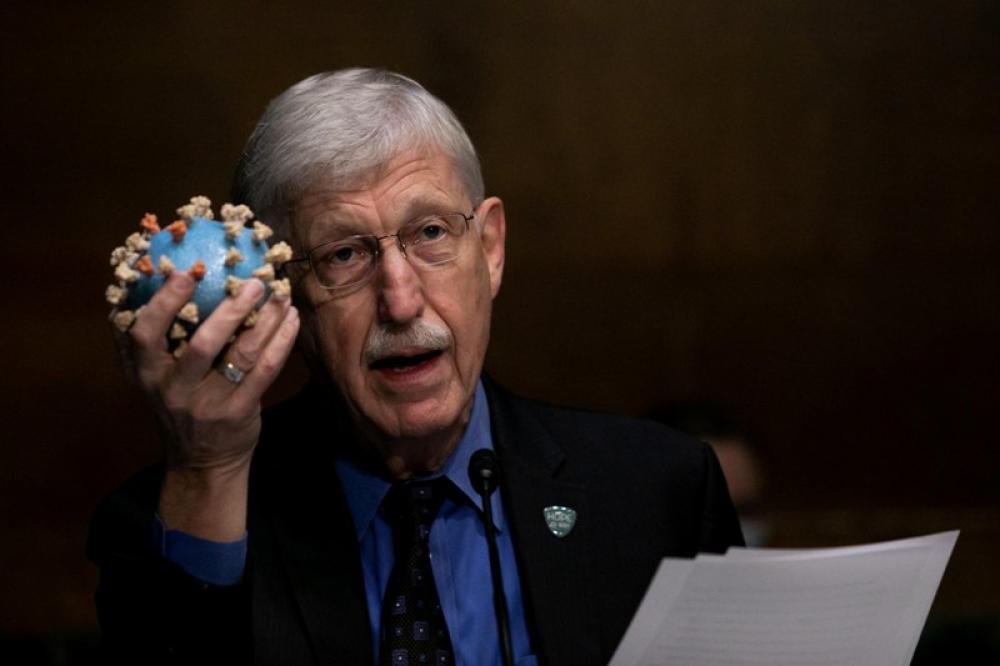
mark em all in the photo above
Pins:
pixel 329 226
pixel 325 229
pixel 424 205
pixel 332 225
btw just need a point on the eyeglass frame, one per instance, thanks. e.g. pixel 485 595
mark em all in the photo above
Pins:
pixel 376 255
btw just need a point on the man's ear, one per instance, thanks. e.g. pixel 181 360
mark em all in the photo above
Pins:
pixel 493 237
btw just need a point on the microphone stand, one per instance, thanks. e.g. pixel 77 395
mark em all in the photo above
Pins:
pixel 483 473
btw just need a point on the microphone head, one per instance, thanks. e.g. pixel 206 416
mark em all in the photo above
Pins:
pixel 484 473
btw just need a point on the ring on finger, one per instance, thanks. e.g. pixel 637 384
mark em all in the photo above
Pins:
pixel 230 371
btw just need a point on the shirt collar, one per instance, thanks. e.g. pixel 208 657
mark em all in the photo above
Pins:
pixel 365 489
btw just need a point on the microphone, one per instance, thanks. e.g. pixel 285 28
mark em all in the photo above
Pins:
pixel 483 471
pixel 485 477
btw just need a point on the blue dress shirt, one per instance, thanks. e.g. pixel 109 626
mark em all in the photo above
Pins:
pixel 459 555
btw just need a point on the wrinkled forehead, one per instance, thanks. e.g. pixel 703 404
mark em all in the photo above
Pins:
pixel 412 184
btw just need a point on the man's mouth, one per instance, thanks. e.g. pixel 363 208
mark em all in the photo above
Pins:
pixel 404 362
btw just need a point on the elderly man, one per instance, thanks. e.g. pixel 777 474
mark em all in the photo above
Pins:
pixel 342 527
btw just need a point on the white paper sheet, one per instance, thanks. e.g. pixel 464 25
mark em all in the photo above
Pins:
pixel 859 605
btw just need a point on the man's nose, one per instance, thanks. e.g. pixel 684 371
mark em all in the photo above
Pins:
pixel 401 296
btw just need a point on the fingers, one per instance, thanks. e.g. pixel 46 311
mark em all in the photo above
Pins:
pixel 214 333
pixel 144 347
pixel 249 346
pixel 270 340
pixel 273 358
pixel 150 330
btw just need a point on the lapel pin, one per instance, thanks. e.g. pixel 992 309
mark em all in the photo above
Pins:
pixel 560 519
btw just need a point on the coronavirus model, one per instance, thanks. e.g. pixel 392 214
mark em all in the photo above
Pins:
pixel 220 256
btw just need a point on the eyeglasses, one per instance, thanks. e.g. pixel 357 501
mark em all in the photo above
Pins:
pixel 427 242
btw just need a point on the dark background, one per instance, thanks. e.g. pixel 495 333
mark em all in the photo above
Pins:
pixel 787 207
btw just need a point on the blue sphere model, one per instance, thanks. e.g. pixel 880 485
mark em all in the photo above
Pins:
pixel 220 255
pixel 205 241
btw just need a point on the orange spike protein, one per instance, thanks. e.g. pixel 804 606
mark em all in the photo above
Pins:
pixel 144 265
pixel 197 269
pixel 177 230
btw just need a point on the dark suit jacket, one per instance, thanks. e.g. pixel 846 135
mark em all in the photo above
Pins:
pixel 641 492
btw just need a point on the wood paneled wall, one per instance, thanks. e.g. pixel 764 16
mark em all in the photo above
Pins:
pixel 788 207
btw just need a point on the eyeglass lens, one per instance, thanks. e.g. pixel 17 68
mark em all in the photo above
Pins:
pixel 428 241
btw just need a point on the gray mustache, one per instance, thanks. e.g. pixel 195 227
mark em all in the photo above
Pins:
pixel 386 341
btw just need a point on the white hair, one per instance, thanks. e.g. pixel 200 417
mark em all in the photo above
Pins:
pixel 343 127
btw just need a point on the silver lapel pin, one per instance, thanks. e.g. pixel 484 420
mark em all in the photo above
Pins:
pixel 560 519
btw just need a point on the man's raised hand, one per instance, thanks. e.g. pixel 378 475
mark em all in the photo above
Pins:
pixel 209 423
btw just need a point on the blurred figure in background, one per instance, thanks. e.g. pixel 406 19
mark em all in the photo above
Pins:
pixel 739 458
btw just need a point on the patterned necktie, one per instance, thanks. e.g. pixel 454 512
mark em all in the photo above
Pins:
pixel 413 627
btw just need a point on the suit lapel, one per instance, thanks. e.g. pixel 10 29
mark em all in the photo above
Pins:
pixel 321 563
pixel 556 573
pixel 315 548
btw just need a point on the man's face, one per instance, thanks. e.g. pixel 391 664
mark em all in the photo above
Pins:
pixel 418 391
